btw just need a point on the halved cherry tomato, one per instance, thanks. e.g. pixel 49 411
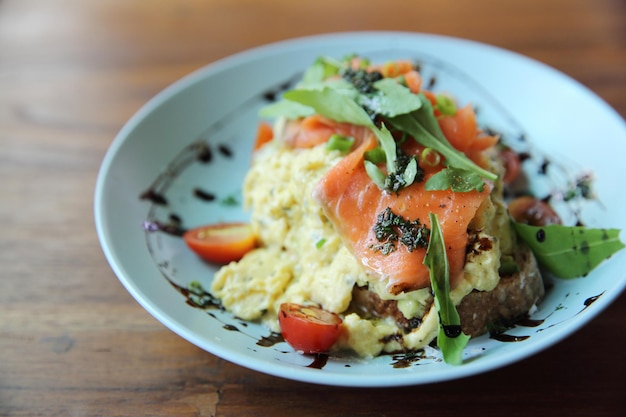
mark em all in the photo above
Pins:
pixel 309 329
pixel 512 164
pixel 221 243
pixel 534 212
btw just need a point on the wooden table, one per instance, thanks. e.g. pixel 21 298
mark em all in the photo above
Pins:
pixel 72 340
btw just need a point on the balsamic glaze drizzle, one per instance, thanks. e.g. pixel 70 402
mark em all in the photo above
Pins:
pixel 170 228
pixel 195 152
pixel 591 300
pixel 271 340
pixel 204 195
pixel 319 361
pixel 407 359
pixel 154 197
pixel 225 150
pixel 198 298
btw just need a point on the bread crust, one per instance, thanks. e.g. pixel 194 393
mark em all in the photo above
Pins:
pixel 513 297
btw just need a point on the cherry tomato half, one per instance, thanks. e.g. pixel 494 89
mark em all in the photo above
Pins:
pixel 529 210
pixel 221 243
pixel 309 329
pixel 512 165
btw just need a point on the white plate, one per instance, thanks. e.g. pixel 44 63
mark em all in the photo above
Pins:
pixel 217 105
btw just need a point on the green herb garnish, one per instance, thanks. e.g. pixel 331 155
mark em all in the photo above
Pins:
pixel 569 251
pixel 446 105
pixel 582 188
pixel 390 99
pixel 320 243
pixel 391 229
pixel 340 143
pixel 458 180
pixel 229 201
pixel 376 155
pixel 450 339
pixel 407 172
pixel 195 287
pixel 361 79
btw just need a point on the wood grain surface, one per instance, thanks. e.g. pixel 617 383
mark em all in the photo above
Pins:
pixel 73 342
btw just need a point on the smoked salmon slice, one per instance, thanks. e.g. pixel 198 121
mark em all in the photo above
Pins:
pixel 462 131
pixel 316 129
pixel 353 203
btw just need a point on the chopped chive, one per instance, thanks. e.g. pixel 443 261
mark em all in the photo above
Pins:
pixel 229 201
pixel 339 143
pixel 195 286
pixel 320 243
pixel 376 155
pixel 430 157
pixel 446 105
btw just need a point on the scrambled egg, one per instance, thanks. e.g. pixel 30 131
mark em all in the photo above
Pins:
pixel 302 259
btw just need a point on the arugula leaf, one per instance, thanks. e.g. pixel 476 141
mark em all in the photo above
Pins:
pixel 285 108
pixel 423 126
pixel 450 339
pixel 321 69
pixel 459 180
pixel 337 84
pixel 375 174
pixel 292 109
pixel 391 99
pixel 426 117
pixel 569 251
pixel 388 145
pixel 332 104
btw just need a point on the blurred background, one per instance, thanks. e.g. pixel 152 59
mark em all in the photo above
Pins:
pixel 131 49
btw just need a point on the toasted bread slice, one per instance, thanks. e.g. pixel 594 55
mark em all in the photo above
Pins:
pixel 514 296
pixel 479 311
